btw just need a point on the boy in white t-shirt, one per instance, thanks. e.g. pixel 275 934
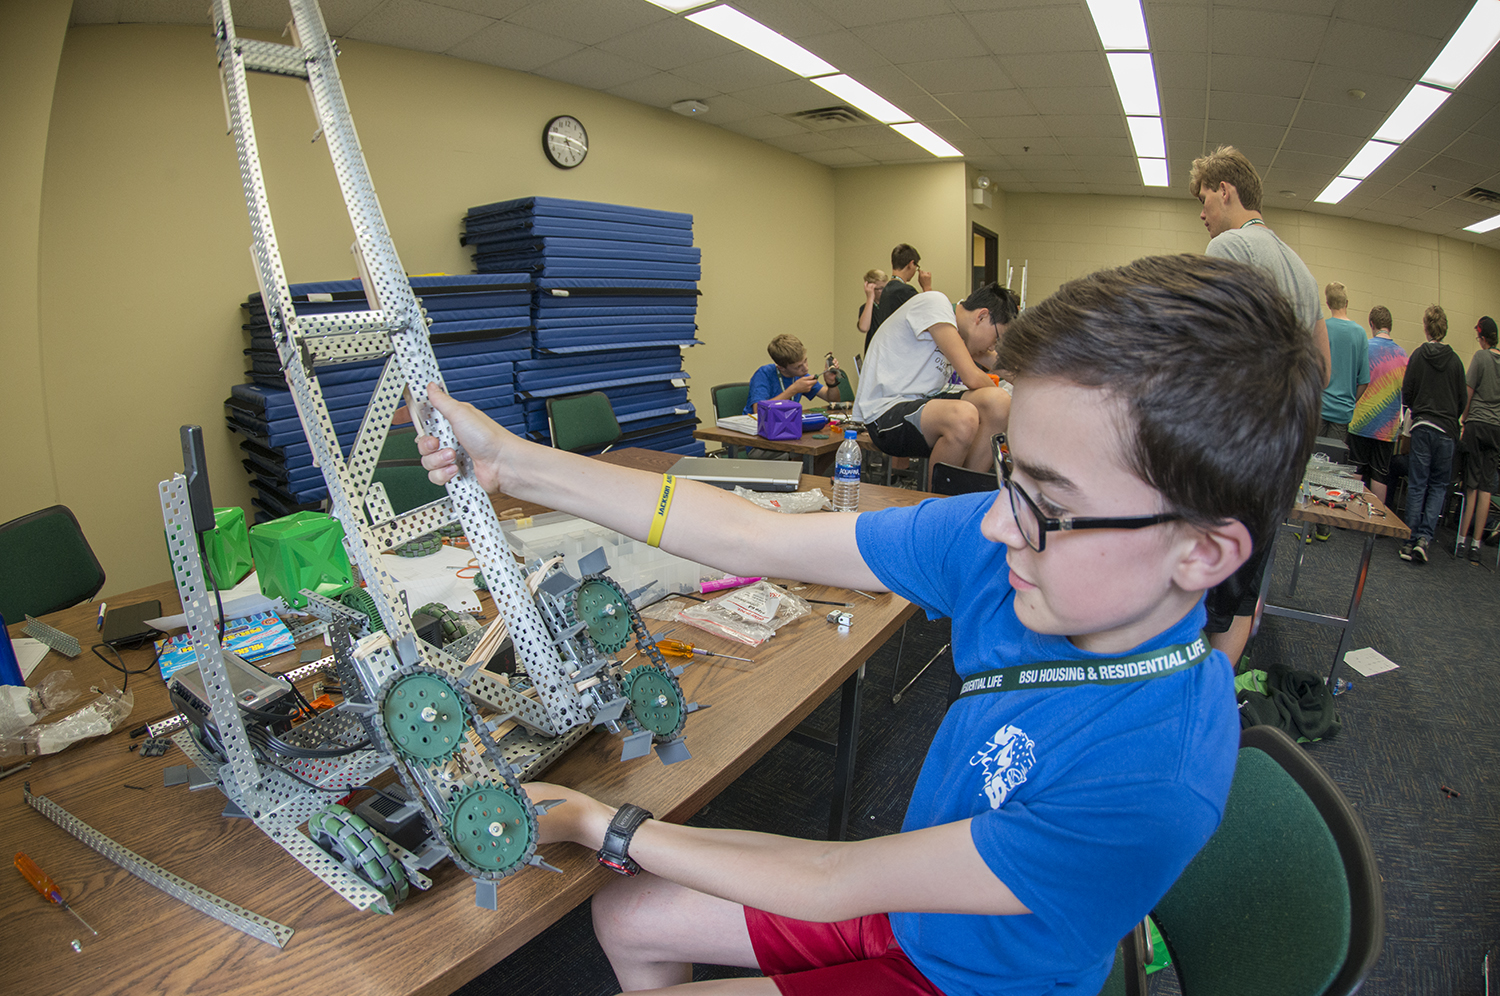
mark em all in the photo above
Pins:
pixel 904 397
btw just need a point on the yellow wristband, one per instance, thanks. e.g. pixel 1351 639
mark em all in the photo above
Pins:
pixel 663 506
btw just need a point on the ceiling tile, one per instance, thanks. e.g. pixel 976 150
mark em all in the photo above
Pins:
pixel 1021 151
pixel 1467 173
pixel 487 8
pixel 513 47
pixel 415 24
pixel 588 21
pixel 981 72
pixel 844 49
pixel 1258 75
pixel 1062 69
pixel 1475 148
pixel 669 44
pixel 1322 143
pixel 1350 119
pixel 854 13
pixel 1085 126
pixel 740 70
pixel 1093 145
pixel 764 126
pixel 1245 135
pixel 805 142
pixel 1037 29
pixel 594 69
pixel 1190 104
pixel 1401 54
pixel 1440 18
pixel 1293 37
pixel 1331 85
pixel 99 12
pixel 724 109
pixel 1324 7
pixel 787 98
pixel 1252 107
pixel 987 103
pixel 1075 100
pixel 922 40
pixel 662 90
pixel 793 18
pixel 1177 27
pixel 840 157
pixel 1182 70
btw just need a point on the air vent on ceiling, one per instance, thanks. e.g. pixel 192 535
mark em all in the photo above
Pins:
pixel 1479 195
pixel 824 118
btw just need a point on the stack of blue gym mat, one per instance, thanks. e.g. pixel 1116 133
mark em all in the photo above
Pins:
pixel 480 327
pixel 616 300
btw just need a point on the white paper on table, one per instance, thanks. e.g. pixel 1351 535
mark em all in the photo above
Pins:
pixel 1368 661
pixel 434 578
pixel 234 608
pixel 29 653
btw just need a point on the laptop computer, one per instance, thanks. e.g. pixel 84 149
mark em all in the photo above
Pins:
pixel 756 475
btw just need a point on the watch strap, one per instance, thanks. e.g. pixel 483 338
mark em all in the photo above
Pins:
pixel 614 854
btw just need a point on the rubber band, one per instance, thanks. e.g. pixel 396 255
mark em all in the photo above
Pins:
pixel 663 506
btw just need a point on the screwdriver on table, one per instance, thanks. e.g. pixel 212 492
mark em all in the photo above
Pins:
pixel 44 884
pixel 677 648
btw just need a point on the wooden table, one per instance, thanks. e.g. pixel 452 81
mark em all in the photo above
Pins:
pixel 1365 515
pixel 436 941
pixel 809 448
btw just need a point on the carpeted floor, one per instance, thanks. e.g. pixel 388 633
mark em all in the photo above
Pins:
pixel 1406 733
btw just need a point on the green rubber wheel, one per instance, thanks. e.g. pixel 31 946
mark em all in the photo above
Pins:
pixel 490 828
pixel 349 840
pixel 424 717
pixel 604 613
pixel 655 700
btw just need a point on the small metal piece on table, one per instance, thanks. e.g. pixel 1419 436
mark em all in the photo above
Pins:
pixel 55 638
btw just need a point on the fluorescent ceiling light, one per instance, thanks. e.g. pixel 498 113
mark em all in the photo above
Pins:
pixel 678 6
pixel 1337 190
pixel 1120 24
pixel 1136 81
pixel 750 33
pixel 1411 113
pixel 1487 225
pixel 854 92
pixel 1368 159
pixel 1153 172
pixel 1146 133
pixel 927 139
pixel 1468 46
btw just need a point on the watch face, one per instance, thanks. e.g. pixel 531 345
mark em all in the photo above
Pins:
pixel 565 141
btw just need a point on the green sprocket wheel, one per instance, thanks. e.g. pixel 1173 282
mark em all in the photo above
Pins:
pixel 425 717
pixel 656 701
pixel 604 612
pixel 351 842
pixel 361 601
pixel 491 828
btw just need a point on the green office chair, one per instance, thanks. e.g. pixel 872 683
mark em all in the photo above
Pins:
pixel 400 470
pixel 46 564
pixel 846 389
pixel 1285 898
pixel 581 422
pixel 730 399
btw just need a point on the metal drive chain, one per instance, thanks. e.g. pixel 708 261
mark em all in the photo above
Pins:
pixel 646 643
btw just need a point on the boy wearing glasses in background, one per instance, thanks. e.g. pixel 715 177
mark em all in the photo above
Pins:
pixel 1161 415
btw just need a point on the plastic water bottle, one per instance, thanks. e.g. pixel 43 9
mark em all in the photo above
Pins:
pixel 1342 685
pixel 846 474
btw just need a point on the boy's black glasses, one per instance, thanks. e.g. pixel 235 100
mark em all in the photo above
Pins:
pixel 1035 526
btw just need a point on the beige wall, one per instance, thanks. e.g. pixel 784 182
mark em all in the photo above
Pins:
pixel 31 42
pixel 1066 237
pixel 879 207
pixel 143 258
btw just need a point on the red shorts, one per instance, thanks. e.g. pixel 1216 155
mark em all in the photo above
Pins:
pixel 859 957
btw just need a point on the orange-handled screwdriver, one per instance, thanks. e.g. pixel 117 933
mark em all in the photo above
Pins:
pixel 43 883
pixel 676 648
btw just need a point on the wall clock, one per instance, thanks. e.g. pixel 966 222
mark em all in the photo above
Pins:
pixel 565 142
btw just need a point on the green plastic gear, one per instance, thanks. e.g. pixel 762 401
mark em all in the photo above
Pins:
pixel 424 716
pixel 655 700
pixel 491 828
pixel 350 841
pixel 360 600
pixel 605 614
pixel 420 547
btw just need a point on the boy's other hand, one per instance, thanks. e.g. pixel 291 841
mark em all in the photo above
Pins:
pixel 482 439
pixel 871 289
pixel 924 279
pixel 806 383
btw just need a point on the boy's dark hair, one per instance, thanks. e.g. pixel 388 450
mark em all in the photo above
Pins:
pixel 999 301
pixel 1380 318
pixel 1222 383
pixel 1487 332
pixel 903 256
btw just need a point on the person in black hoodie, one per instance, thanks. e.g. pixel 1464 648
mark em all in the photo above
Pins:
pixel 1434 391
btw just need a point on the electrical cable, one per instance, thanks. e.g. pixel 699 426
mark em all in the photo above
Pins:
pixel 122 667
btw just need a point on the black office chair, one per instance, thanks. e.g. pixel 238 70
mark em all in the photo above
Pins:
pixel 729 399
pixel 46 564
pixel 1285 898
pixel 950 480
pixel 581 422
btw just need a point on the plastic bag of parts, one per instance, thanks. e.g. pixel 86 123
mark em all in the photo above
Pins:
pixel 101 716
pixel 22 706
pixel 791 501
pixel 750 615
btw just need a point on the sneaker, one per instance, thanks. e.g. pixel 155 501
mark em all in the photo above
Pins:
pixel 1324 533
pixel 1474 549
pixel 1405 552
pixel 1419 551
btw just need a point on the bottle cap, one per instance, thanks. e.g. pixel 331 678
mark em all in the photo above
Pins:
pixel 850 434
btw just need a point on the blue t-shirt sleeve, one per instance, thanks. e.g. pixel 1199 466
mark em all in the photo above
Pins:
pixel 912 549
pixel 762 387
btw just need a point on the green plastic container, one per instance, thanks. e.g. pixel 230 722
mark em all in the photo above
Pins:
pixel 228 547
pixel 297 551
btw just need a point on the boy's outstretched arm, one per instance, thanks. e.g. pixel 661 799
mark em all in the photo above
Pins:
pixel 936 870
pixel 704 523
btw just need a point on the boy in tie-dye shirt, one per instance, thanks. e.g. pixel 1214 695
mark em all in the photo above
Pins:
pixel 1377 413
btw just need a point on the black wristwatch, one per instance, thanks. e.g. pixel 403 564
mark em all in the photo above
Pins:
pixel 615 853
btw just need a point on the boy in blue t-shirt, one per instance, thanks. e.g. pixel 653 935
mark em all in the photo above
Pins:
pixel 1162 414
pixel 786 377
